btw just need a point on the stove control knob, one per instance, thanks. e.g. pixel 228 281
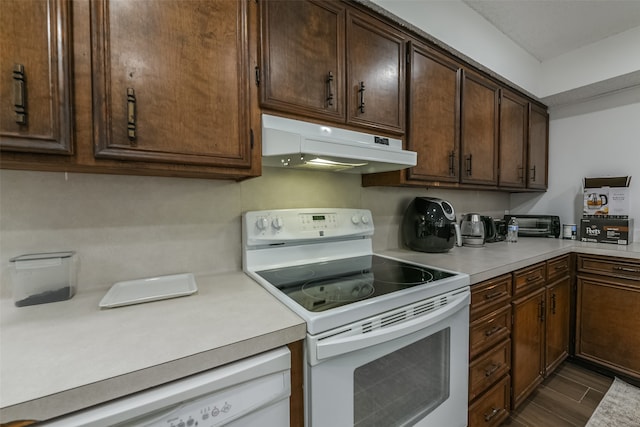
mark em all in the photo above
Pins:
pixel 262 223
pixel 277 223
pixel 365 219
pixel 355 219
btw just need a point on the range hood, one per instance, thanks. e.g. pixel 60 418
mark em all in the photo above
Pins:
pixel 304 145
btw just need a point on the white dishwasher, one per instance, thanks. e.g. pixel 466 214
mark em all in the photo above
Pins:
pixel 249 393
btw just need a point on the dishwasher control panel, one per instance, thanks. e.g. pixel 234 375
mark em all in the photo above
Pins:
pixel 220 408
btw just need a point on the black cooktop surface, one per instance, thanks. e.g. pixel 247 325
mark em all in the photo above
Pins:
pixel 324 285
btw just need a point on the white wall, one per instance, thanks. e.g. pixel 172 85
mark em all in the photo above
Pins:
pixel 127 227
pixel 600 137
pixel 607 59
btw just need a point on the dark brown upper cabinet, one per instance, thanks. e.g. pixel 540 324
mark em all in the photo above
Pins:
pixel 171 82
pixel 375 74
pixel 326 61
pixel 303 45
pixel 514 117
pixel 35 77
pixel 479 130
pixel 538 148
pixel 433 129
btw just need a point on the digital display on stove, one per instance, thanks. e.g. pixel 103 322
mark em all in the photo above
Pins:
pixel 325 285
pixel 318 217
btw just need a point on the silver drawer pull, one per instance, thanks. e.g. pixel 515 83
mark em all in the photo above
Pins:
pixel 488 417
pixel 492 331
pixel 627 269
pixel 491 369
pixel 492 295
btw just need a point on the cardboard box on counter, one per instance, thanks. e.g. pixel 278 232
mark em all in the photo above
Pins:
pixel 607 196
pixel 606 230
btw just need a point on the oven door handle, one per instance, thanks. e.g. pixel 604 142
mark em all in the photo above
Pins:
pixel 335 346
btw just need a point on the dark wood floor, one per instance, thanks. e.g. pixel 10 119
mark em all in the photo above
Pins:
pixel 567 397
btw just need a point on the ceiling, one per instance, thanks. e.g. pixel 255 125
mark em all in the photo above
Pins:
pixel 549 28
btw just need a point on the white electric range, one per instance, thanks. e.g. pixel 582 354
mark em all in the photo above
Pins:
pixel 387 340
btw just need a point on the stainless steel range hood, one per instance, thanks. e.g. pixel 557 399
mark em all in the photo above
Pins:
pixel 304 145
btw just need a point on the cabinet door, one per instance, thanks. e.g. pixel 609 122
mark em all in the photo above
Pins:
pixel 513 139
pixel 375 74
pixel 171 82
pixel 433 128
pixel 538 152
pixel 527 337
pixel 608 324
pixel 557 324
pixel 35 77
pixel 479 140
pixel 303 58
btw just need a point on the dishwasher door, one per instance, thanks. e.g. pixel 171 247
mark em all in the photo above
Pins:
pixel 249 393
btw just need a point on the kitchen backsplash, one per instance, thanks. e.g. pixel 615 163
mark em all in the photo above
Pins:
pixel 126 227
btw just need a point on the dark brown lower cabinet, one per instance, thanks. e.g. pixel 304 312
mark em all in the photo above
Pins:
pixel 528 344
pixel 608 323
pixel 608 314
pixel 541 324
pixel 558 304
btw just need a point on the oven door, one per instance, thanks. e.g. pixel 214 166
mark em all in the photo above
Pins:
pixel 395 369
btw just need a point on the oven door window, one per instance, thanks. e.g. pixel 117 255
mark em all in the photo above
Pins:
pixel 402 387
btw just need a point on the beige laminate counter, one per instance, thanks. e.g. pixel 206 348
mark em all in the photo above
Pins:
pixel 61 357
pixel 499 258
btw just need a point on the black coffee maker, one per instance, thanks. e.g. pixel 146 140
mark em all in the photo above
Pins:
pixel 429 225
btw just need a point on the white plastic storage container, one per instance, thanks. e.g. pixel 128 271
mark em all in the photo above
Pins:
pixel 42 278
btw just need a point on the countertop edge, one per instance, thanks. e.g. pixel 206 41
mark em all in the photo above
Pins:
pixel 89 395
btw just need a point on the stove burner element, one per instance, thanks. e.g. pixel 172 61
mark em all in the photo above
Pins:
pixel 404 275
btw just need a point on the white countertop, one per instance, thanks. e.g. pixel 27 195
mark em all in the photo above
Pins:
pixel 61 357
pixel 499 258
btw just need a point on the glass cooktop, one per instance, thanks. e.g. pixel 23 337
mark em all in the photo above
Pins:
pixel 330 284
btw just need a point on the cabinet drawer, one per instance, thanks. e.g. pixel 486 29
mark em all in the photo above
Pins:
pixel 489 330
pixel 626 269
pixel 557 268
pixel 492 408
pixel 490 295
pixel 529 278
pixel 489 368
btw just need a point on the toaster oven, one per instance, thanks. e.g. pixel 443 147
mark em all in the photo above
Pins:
pixel 537 225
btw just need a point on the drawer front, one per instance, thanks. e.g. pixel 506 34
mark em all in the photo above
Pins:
pixel 487 369
pixel 492 408
pixel 529 278
pixel 557 268
pixel 489 330
pixel 490 295
pixel 625 269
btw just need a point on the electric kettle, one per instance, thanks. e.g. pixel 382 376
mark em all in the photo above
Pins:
pixel 472 230
pixel 429 225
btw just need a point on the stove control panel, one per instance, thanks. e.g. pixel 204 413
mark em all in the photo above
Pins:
pixel 290 225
